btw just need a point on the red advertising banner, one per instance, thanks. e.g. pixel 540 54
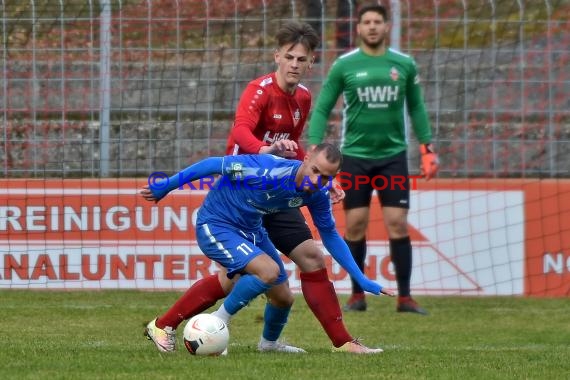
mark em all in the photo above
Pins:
pixel 474 237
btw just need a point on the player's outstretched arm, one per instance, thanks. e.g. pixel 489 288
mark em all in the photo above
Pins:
pixel 147 194
pixel 321 213
pixel 158 185
pixel 341 253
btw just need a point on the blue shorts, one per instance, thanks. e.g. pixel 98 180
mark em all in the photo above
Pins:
pixel 234 249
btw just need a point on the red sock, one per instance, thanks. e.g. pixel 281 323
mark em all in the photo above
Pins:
pixel 203 294
pixel 322 300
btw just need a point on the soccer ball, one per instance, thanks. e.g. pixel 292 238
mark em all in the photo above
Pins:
pixel 206 334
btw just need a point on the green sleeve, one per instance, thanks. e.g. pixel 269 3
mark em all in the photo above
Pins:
pixel 326 100
pixel 417 108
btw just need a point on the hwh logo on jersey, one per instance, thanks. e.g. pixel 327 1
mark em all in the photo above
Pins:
pixel 276 137
pixel 378 94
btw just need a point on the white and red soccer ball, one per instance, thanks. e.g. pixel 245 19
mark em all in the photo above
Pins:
pixel 206 334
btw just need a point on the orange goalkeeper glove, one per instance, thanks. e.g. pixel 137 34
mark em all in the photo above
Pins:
pixel 430 161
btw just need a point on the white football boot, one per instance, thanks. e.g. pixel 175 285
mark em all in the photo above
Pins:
pixel 276 346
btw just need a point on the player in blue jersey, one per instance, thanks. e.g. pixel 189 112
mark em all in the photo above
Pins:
pixel 229 227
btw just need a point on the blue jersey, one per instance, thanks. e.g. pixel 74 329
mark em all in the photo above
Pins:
pixel 254 185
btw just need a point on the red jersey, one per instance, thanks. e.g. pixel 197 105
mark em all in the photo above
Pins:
pixel 266 114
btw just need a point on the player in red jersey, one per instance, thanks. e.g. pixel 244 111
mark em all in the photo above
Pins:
pixel 270 118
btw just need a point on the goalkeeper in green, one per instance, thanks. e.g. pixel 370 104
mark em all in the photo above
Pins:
pixel 377 83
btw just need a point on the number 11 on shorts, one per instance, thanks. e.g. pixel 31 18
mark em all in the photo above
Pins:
pixel 244 248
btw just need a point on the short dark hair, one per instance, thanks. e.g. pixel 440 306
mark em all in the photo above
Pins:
pixel 294 32
pixel 332 153
pixel 373 8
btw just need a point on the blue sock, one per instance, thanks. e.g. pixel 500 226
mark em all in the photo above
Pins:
pixel 275 319
pixel 246 288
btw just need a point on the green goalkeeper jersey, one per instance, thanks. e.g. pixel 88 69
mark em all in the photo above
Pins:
pixel 375 90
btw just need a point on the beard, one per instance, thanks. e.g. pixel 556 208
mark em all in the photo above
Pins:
pixel 372 44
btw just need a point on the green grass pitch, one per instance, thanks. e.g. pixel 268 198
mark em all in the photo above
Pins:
pixel 99 335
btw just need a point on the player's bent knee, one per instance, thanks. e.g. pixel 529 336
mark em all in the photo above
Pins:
pixel 269 275
pixel 308 257
pixel 311 263
pixel 264 267
pixel 356 230
pixel 397 230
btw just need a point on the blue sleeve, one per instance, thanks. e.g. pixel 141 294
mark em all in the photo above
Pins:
pixel 201 169
pixel 341 253
pixel 321 213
